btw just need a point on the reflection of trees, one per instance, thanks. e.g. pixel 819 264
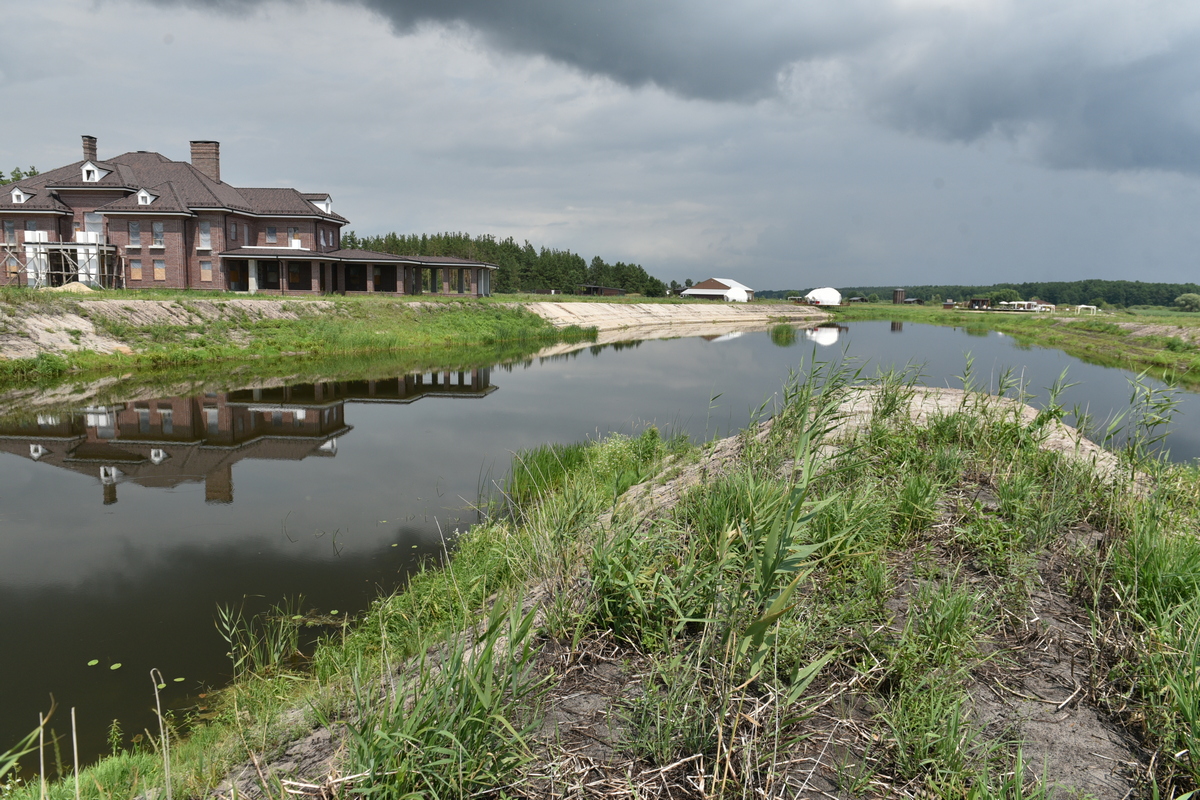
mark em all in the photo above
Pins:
pixel 783 336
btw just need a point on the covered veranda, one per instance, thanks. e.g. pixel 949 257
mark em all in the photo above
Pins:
pixel 291 271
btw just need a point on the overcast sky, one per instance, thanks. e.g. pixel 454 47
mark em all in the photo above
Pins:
pixel 784 144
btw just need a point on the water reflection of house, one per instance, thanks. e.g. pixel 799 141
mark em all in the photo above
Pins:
pixel 175 440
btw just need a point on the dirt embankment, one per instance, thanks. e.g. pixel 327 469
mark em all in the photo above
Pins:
pixel 67 326
pixel 1036 690
pixel 29 329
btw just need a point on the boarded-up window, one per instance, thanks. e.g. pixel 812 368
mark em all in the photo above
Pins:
pixel 11 266
pixel 160 269
pixel 135 269
pixel 206 270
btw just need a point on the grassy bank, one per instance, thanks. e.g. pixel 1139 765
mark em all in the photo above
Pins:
pixel 309 333
pixel 853 599
pixel 1166 343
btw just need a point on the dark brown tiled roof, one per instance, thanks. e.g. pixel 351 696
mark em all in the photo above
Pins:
pixel 168 201
pixel 192 188
pixel 292 253
pixel 711 283
pixel 364 255
pixel 40 200
pixel 351 255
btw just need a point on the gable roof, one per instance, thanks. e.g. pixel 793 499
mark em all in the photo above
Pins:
pixel 191 189
pixel 717 285
pixel 37 200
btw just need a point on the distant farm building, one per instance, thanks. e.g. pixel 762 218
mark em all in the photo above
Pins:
pixel 600 291
pixel 725 289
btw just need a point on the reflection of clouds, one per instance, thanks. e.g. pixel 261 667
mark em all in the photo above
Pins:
pixel 822 336
pixel 728 336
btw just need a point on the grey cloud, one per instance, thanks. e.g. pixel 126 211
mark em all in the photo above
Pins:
pixel 1074 84
pixel 708 50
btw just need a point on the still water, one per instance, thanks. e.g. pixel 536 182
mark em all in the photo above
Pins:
pixel 122 527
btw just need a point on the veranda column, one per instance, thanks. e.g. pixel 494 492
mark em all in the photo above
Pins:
pixel 315 275
pixel 370 277
pixel 252 276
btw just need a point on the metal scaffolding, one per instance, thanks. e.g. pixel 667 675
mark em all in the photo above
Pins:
pixel 40 264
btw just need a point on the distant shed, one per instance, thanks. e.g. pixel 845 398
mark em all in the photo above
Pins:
pixel 600 291
pixel 725 289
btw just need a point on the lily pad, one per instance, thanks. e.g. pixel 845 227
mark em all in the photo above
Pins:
pixel 178 680
pixel 162 686
pixel 116 665
pixel 93 662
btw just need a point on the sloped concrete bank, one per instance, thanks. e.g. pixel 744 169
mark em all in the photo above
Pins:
pixel 606 317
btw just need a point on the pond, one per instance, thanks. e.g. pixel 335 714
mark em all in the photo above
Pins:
pixel 124 526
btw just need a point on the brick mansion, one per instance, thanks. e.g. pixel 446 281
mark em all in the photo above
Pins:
pixel 140 220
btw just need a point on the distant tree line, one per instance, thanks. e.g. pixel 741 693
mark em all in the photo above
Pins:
pixel 523 268
pixel 1094 292
pixel 16 175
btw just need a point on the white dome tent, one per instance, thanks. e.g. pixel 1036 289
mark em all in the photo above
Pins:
pixel 826 296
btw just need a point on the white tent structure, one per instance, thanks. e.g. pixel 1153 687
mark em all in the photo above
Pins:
pixel 726 289
pixel 822 336
pixel 827 296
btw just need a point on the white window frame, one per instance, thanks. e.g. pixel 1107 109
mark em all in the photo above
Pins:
pixel 205 235
pixel 135 234
pixel 158 237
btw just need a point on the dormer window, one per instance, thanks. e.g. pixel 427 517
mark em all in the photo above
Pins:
pixel 92 173
pixel 19 197
pixel 145 198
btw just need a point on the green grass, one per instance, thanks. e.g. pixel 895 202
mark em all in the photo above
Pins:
pixel 885 567
pixel 1096 340
pixel 334 332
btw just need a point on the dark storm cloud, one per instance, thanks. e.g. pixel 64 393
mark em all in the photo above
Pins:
pixel 1105 85
pixel 709 50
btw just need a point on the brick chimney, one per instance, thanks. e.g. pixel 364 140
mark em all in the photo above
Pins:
pixel 206 157
pixel 89 148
